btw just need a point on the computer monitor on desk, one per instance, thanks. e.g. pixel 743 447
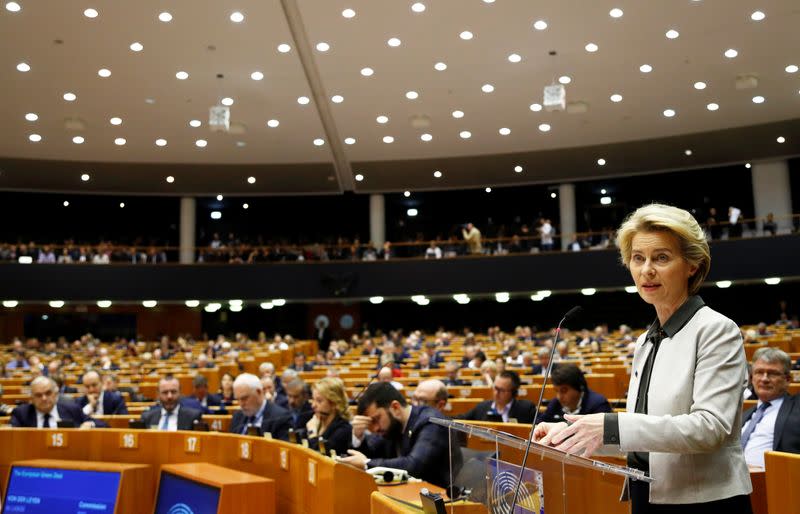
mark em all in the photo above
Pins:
pixel 47 490
pixel 179 495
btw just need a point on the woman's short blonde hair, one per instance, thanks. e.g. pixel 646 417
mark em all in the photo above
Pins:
pixel 332 389
pixel 678 222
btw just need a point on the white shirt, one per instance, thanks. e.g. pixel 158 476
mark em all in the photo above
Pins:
pixel 433 253
pixel 547 234
pixel 172 423
pixel 98 411
pixel 504 412
pixel 761 439
pixel 54 418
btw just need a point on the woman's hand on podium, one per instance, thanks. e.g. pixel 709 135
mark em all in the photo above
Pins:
pixel 544 432
pixel 583 436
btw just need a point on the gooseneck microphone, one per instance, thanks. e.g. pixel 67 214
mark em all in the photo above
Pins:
pixel 355 399
pixel 572 313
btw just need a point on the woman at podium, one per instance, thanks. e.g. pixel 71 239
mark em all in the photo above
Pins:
pixel 683 418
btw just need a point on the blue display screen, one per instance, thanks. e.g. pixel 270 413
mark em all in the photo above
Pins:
pixel 178 495
pixel 67 491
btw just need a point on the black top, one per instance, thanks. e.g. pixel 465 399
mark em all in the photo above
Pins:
pixel 338 437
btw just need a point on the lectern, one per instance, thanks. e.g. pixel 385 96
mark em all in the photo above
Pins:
pixel 553 482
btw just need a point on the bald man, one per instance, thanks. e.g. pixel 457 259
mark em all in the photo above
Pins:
pixel 432 393
pixel 98 401
pixel 46 409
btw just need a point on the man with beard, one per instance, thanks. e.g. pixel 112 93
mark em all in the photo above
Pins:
pixel 401 436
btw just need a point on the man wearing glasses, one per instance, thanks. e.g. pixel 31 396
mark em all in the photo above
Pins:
pixel 774 423
pixel 504 406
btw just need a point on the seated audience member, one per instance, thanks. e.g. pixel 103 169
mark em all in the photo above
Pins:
pixel 770 227
pixel 203 398
pixel 18 362
pixel 226 389
pixel 774 423
pixel 169 414
pixel 573 395
pixel 297 401
pixel 331 419
pixel 562 352
pixel 96 401
pixel 63 388
pixel 257 411
pixel 111 383
pixel 46 409
pixel 300 363
pixel 451 377
pixel 386 375
pixel 470 350
pixel 370 349
pixel 432 393
pixel 424 362
pixel 514 358
pixel 504 404
pixel 433 251
pixel 488 374
pixel 401 436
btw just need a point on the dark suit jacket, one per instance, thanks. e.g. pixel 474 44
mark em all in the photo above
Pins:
pixel 424 449
pixel 113 403
pixel 186 417
pixel 521 410
pixel 338 436
pixel 25 415
pixel 301 416
pixel 276 421
pixel 212 400
pixel 787 427
pixel 592 404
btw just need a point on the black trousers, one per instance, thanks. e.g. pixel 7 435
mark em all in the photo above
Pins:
pixel 640 503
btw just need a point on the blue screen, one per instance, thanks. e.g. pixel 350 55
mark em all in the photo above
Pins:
pixel 178 495
pixel 67 491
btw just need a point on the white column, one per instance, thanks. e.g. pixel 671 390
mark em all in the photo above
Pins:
pixel 566 209
pixel 377 220
pixel 772 193
pixel 188 230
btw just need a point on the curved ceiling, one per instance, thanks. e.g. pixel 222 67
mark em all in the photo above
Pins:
pixel 500 129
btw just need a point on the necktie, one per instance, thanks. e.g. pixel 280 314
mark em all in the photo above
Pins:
pixel 46 421
pixel 248 423
pixel 165 421
pixel 757 415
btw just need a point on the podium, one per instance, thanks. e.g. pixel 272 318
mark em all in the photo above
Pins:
pixel 553 482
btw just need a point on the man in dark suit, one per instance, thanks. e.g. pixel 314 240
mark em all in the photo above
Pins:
pixel 257 411
pixel 451 375
pixel 504 406
pixel 207 402
pixel 774 423
pixel 544 360
pixel 300 363
pixel 297 401
pixel 170 414
pixel 402 436
pixel 98 402
pixel 573 395
pixel 45 409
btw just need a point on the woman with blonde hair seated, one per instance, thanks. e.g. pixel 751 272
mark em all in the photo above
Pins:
pixel 331 420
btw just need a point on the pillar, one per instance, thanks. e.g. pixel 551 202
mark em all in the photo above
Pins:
pixel 566 210
pixel 377 220
pixel 187 230
pixel 772 193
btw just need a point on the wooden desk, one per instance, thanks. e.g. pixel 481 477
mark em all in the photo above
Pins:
pixel 409 493
pixel 782 477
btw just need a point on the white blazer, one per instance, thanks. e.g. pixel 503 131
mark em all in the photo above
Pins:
pixel 694 419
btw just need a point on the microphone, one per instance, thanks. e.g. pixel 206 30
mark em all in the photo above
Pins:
pixel 571 314
pixel 355 399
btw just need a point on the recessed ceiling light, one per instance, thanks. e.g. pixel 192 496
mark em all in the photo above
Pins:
pixel 544 127
pixel 367 72
pixel 418 7
pixel 730 53
pixel 758 99
pixel 687 152
pixel 240 144
pixel 406 193
pixel 394 42
pixel 13 7
pixel 712 106
pixel 136 47
pixel 181 75
pixel 349 140
pixel 31 116
pixel 748 165
pixel 565 79
pixel 669 113
pixel 514 58
pixel 284 48
pixel 412 212
pixel 103 72
pixel 440 66
pixel 616 12
pixel 437 174
pixel 616 98
pixel 90 13
pixel 237 17
pixel 66 203
pixel 458 114
pixel 120 141
pixel 245 206
pixel 85 177
pixel 337 99
pixel 488 189
pixel 104 304
pixel 121 205
pixel 227 101
pixel 466 35
pixel 322 46
pixel 488 1
pixel 518 169
pixel 781 139
pixel 220 198
pixel 426 137
pixel 536 107
pixel 382 119
pixel 553 195
pixel 388 139
pixel 35 138
pixel 487 88
pixel 273 123
pixel 672 34
pixel 412 95
pixel 724 284
pixel 465 134
pixel 348 13
pixel 757 16
pixel 772 281
pixel 591 47
pixel 165 17
pixel 150 101
pixel 70 97
pixel 645 68
pixel 319 142
pixel 603 191
pixel 257 75
pixel 201 143
pixel 23 67
pixel 601 162
pixel 699 85
pixel 540 25
pixel 78 140
pixel 170 179
pixel 792 68
pixel 251 180
pixel 195 123
pixel 303 100
pixel 359 177
pixel 504 131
